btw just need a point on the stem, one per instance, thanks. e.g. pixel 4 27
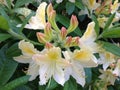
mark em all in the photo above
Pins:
pixel 22 37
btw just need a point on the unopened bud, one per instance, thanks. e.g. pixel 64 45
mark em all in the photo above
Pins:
pixel 48 45
pixel 75 41
pixel 68 41
pixel 49 9
pixel 41 37
pixel 73 24
pixel 63 33
pixel 48 30
pixel 52 15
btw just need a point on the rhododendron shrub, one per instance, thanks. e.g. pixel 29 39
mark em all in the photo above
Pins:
pixel 59 45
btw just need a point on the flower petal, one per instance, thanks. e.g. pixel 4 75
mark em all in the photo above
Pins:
pixel 59 75
pixel 33 70
pixel 27 48
pixel 23 59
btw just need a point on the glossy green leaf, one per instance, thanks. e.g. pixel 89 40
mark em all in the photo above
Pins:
pixel 111 33
pixel 51 85
pixel 88 74
pixel 22 2
pixel 14 49
pixel 24 87
pixel 70 85
pixel 3 23
pixel 97 28
pixel 109 21
pixel 65 21
pixel 79 4
pixel 7 66
pixel 70 7
pixel 111 48
pixel 15 83
pixel 4 37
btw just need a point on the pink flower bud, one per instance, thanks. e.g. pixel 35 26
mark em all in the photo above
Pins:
pixel 75 41
pixel 49 9
pixel 48 45
pixel 68 41
pixel 41 37
pixel 63 33
pixel 48 30
pixel 73 24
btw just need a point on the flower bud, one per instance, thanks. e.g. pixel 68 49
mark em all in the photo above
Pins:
pixel 48 45
pixel 52 15
pixel 49 9
pixel 41 37
pixel 75 41
pixel 68 41
pixel 73 24
pixel 48 30
pixel 63 33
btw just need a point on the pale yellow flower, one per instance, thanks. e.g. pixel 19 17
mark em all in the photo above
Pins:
pixel 117 69
pixel 51 65
pixel 38 21
pixel 78 60
pixel 91 4
pixel 88 38
pixel 106 58
pixel 115 6
pixel 28 51
pixel 108 76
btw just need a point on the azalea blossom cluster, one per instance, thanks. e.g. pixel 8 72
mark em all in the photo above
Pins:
pixel 57 60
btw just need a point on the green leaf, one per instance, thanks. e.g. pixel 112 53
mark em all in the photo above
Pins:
pixel 4 37
pixel 79 4
pixel 65 21
pixel 14 49
pixel 111 33
pixel 4 14
pixel 51 85
pixel 15 83
pixel 111 48
pixel 3 23
pixel 7 66
pixel 22 2
pixel 109 21
pixel 24 87
pixel 88 74
pixel 70 85
pixel 97 28
pixel 70 7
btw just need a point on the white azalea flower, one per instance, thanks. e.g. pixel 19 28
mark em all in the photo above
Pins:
pixel 108 76
pixel 28 51
pixel 78 60
pixel 88 39
pixel 115 6
pixel 91 4
pixel 106 58
pixel 51 65
pixel 117 69
pixel 38 21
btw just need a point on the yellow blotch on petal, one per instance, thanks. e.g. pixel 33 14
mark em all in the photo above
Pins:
pixel 54 53
pixel 27 48
pixel 92 3
pixel 82 55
